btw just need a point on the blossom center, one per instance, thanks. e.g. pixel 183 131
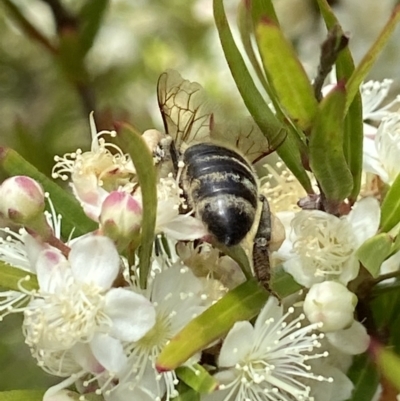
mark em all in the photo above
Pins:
pixel 324 242
pixel 59 320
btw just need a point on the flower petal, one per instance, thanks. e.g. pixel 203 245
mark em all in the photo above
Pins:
pixel 271 310
pixel 371 160
pixel 364 218
pixel 237 344
pixel 94 259
pixel 51 267
pixel 132 314
pixel 352 341
pixel 185 228
pixel 109 352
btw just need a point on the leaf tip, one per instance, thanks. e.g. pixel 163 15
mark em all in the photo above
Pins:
pixel 162 368
pixel 3 152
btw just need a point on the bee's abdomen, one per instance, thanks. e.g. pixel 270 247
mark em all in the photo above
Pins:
pixel 221 187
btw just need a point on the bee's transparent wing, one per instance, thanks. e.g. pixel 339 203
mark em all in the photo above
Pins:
pixel 185 111
pixel 245 136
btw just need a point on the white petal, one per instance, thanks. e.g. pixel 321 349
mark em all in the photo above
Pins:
pixel 350 270
pixel 83 355
pixel 236 345
pixel 51 267
pixel 94 259
pixel 272 309
pixel 300 273
pixel 109 352
pixel 371 161
pixel 352 341
pixel 132 314
pixel 391 264
pixel 61 395
pixel 184 228
pixel 56 389
pixel 364 218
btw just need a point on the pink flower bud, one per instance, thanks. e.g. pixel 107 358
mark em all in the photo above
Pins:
pixel 332 304
pixel 21 199
pixel 120 216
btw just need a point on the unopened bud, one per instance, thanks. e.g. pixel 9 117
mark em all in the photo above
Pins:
pixel 121 216
pixel 21 200
pixel 332 304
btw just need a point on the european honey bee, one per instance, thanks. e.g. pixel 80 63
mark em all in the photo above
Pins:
pixel 217 176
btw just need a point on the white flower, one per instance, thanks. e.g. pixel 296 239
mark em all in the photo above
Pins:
pixel 330 303
pixel 97 172
pixel 177 296
pixel 76 307
pixel 183 227
pixel 268 361
pixel 382 153
pixel 320 246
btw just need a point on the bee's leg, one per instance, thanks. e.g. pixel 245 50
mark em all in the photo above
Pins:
pixel 174 157
pixel 261 262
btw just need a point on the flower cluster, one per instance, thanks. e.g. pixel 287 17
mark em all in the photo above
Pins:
pixel 95 320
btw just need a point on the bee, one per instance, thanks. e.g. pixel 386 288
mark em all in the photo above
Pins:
pixel 217 176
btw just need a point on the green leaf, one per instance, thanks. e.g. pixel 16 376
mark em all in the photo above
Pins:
pixel 390 210
pixel 271 127
pixel 365 378
pixel 261 9
pixel 388 364
pixel 369 59
pixel 326 138
pixel 197 378
pixel 10 277
pixel 282 283
pixel 242 303
pixel 185 393
pixel 238 254
pixel 22 395
pixel 353 124
pixel 133 143
pixel 286 74
pixel 90 17
pixel 74 219
pixel 30 30
pixel 245 25
pixel 374 251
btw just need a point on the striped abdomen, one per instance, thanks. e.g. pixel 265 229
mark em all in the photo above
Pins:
pixel 222 189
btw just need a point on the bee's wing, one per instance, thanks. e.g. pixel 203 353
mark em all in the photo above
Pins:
pixel 186 114
pixel 245 136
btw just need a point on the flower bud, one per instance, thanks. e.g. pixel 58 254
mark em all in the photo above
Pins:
pixel 332 304
pixel 21 200
pixel 120 216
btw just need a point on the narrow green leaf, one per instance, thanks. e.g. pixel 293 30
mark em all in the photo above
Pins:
pixel 261 9
pixel 365 378
pixel 326 138
pixel 388 364
pixel 22 395
pixel 197 378
pixel 390 210
pixel 10 277
pixel 373 252
pixel 238 254
pixel 353 136
pixel 282 283
pixel 74 219
pixel 286 74
pixel 185 393
pixel 30 30
pixel 90 17
pixel 133 143
pixel 271 127
pixel 245 25
pixel 353 124
pixel 242 303
pixel 369 59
